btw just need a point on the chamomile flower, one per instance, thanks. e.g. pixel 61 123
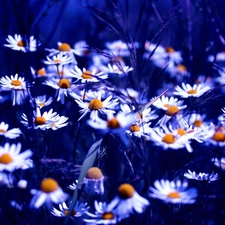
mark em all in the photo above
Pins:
pixel 117 69
pixel 11 158
pixel 96 106
pixel 127 201
pixel 59 122
pixel 201 176
pixel 60 59
pixel 173 192
pixel 165 102
pixel 81 48
pixel 20 43
pixel 102 215
pixel 139 130
pixel 50 192
pixel 191 91
pixel 118 48
pixel 219 162
pixel 196 120
pixel 79 209
pixel 61 85
pixel 40 120
pixel 94 181
pixel 41 101
pixel 87 76
pixel 12 134
pixel 215 135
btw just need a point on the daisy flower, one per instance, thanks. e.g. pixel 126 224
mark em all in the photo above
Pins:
pixel 40 121
pixel 173 192
pixel 117 69
pixel 96 106
pixel 12 134
pixel 87 76
pixel 20 43
pixel 61 85
pixel 178 71
pixel 94 181
pixel 201 176
pixel 118 48
pixel 81 48
pixel 191 91
pixel 50 192
pixel 11 158
pixel 60 121
pixel 196 119
pixel 79 210
pixel 219 162
pixel 102 215
pixel 18 87
pixel 41 101
pixel 60 59
pixel 139 130
pixel 127 201
pixel 215 135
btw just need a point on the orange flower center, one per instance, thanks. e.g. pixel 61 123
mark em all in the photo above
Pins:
pixel 94 173
pixel 64 47
pixel 174 194
pixel 57 61
pixel 169 139
pixel 41 72
pixel 135 128
pixel 40 120
pixel 22 43
pixel 126 191
pixel 198 123
pixel 181 132
pixel 170 50
pixel 49 185
pixel 2 131
pixel 182 68
pixel 113 123
pixel 192 92
pixel 95 104
pixel 5 158
pixel 87 75
pixel 15 83
pixel 172 110
pixel 41 104
pixel 73 213
pixel 219 136
pixel 64 83
pixel 107 216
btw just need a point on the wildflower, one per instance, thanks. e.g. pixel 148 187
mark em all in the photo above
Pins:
pixel 191 91
pixel 94 181
pixel 61 85
pixel 215 135
pixel 96 106
pixel 173 192
pixel 201 176
pixel 88 76
pixel 139 130
pixel 60 59
pixel 41 101
pixel 117 69
pixel 81 48
pixel 49 192
pixel 18 87
pixel 219 162
pixel 11 158
pixel 102 215
pixel 20 43
pixel 60 121
pixel 12 134
pixel 118 48
pixel 127 201
pixel 196 120
pixel 79 210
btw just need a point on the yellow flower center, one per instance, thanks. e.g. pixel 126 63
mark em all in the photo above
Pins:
pixel 181 132
pixel 126 191
pixel 95 104
pixel 170 50
pixel 5 158
pixel 21 43
pixel 41 104
pixel 73 213
pixel 135 128
pixel 64 83
pixel 87 75
pixel 2 131
pixel 198 123
pixel 172 110
pixel 49 185
pixel 174 194
pixel 64 47
pixel 113 123
pixel 15 83
pixel 94 173
pixel 107 216
pixel 41 72
pixel 192 92
pixel 182 68
pixel 218 136
pixel 169 139
pixel 57 61
pixel 40 120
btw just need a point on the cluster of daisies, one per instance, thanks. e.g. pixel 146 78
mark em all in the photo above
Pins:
pixel 108 107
